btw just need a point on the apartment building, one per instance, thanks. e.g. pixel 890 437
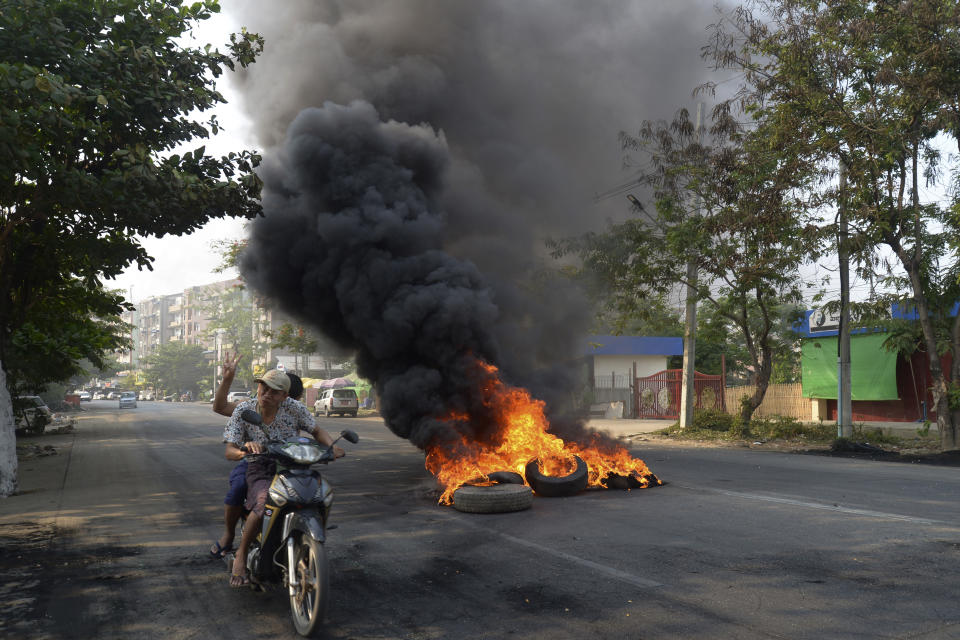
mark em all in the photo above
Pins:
pixel 189 317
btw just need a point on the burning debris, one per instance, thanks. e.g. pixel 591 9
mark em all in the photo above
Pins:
pixel 520 442
pixel 352 242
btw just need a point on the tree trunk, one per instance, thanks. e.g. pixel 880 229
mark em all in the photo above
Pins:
pixel 8 441
pixel 946 419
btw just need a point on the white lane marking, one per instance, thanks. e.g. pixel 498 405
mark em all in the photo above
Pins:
pixel 610 572
pixel 820 505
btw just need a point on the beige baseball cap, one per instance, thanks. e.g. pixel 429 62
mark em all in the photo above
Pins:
pixel 275 379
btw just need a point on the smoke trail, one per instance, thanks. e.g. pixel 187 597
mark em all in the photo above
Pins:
pixel 522 102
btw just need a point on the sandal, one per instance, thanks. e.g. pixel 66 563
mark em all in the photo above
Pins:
pixel 239 580
pixel 217 552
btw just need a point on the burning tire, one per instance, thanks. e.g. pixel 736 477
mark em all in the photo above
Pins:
pixel 556 486
pixel 505 477
pixel 497 498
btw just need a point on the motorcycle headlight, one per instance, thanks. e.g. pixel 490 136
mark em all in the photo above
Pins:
pixel 303 453
pixel 280 491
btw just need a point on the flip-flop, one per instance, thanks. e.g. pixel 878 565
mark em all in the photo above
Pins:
pixel 217 552
pixel 242 580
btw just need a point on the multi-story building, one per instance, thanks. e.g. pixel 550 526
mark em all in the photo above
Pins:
pixel 190 317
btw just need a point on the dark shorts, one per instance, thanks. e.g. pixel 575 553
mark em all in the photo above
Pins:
pixel 238 485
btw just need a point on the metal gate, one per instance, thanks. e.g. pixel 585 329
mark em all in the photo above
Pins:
pixel 658 396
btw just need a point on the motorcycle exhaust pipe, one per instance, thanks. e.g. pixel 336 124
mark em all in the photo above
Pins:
pixel 291 570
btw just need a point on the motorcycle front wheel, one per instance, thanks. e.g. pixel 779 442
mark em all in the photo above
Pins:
pixel 308 604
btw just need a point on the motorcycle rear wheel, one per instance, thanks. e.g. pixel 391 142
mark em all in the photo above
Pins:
pixel 308 605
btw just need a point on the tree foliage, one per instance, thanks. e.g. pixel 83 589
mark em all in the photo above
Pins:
pixel 97 106
pixel 233 315
pixel 875 86
pixel 730 205
pixel 177 367
pixel 295 339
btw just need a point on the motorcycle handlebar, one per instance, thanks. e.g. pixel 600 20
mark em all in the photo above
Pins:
pixel 327 457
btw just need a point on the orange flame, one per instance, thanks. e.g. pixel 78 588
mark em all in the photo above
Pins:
pixel 522 436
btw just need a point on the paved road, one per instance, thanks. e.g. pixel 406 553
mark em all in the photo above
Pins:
pixel 738 544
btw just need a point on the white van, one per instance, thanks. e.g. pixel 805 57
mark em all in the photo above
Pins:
pixel 342 401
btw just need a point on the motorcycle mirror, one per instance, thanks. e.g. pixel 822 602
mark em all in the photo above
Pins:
pixel 251 416
pixel 350 436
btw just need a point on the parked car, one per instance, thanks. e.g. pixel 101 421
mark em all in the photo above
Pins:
pixel 31 415
pixel 342 401
pixel 147 395
pixel 128 400
pixel 113 395
pixel 84 396
pixel 238 396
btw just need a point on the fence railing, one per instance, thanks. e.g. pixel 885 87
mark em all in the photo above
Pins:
pixel 780 400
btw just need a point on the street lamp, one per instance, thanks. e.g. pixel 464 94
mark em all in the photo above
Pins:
pixel 211 355
pixel 219 348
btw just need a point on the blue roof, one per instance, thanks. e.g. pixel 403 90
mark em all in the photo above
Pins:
pixel 633 346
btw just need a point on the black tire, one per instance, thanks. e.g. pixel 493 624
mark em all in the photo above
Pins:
pixel 308 606
pixel 497 498
pixel 556 486
pixel 505 477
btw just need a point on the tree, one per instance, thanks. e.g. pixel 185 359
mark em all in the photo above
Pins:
pixel 296 340
pixel 176 366
pixel 97 99
pixel 53 344
pixel 233 315
pixel 730 205
pixel 871 86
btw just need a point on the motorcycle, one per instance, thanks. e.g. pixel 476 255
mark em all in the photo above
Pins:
pixel 288 551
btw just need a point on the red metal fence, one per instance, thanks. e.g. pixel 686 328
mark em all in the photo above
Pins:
pixel 658 396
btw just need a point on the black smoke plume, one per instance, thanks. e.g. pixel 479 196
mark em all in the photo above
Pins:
pixel 414 244
pixel 351 242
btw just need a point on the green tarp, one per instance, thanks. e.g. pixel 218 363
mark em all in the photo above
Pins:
pixel 873 369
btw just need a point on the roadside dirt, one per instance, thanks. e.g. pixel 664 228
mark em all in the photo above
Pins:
pixel 912 450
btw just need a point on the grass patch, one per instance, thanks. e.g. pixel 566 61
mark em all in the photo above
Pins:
pixel 719 425
pixel 874 436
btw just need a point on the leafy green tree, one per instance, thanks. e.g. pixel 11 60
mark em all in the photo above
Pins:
pixel 53 344
pixel 233 315
pixel 296 340
pixel 728 205
pixel 177 367
pixel 97 102
pixel 871 86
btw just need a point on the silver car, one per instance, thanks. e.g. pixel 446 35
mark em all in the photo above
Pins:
pixel 128 400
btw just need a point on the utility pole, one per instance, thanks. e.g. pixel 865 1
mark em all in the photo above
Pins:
pixel 687 390
pixel 844 400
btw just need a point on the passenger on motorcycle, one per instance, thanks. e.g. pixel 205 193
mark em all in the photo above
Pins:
pixel 237 492
pixel 283 418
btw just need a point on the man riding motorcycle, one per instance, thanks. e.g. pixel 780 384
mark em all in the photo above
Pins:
pixel 282 418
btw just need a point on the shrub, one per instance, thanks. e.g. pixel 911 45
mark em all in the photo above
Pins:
pixel 713 420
